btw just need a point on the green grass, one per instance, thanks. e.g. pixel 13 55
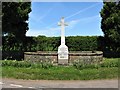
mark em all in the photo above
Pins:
pixel 108 69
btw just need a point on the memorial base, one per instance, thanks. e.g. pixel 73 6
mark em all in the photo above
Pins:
pixel 63 54
pixel 62 61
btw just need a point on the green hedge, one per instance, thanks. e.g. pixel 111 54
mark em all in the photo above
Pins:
pixel 82 43
pixel 42 43
pixel 14 44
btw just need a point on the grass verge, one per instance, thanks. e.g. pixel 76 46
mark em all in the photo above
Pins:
pixel 108 69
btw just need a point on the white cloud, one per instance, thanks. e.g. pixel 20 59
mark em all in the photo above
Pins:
pixel 74 14
pixel 44 15
pixel 39 18
pixel 86 20
pixel 55 31
pixel 72 24
pixel 82 10
pixel 46 32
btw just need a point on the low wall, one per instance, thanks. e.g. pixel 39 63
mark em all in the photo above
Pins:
pixel 40 56
pixel 86 56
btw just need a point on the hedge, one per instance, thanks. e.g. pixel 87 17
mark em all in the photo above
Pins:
pixel 42 43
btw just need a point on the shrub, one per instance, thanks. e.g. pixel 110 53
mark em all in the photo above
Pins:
pixel 80 64
pixel 45 64
pixel 109 63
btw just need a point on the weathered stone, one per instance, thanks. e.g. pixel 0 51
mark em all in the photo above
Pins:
pixel 87 57
pixel 62 49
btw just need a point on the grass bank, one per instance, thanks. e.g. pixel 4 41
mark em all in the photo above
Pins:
pixel 108 69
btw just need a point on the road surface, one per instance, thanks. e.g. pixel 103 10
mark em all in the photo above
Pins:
pixel 37 84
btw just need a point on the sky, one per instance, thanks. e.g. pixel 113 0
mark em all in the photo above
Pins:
pixel 83 18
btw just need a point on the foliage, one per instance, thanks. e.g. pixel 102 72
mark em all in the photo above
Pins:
pixel 11 44
pixel 42 43
pixel 14 25
pixel 34 71
pixel 82 43
pixel 46 64
pixel 15 63
pixel 80 64
pixel 110 25
pixel 14 17
pixel 26 64
pixel 113 62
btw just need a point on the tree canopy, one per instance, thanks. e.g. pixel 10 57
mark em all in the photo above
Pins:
pixel 14 17
pixel 110 25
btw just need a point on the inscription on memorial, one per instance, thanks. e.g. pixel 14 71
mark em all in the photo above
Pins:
pixel 63 53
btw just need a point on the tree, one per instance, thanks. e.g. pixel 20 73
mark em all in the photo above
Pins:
pixel 14 25
pixel 110 25
pixel 15 15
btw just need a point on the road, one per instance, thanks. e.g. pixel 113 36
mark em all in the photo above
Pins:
pixel 37 84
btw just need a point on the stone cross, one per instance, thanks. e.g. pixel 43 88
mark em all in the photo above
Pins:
pixel 62 24
pixel 62 49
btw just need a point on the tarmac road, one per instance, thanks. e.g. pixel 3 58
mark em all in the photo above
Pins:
pixel 37 84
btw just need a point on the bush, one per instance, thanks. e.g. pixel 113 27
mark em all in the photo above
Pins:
pixel 46 65
pixel 15 63
pixel 80 64
pixel 26 64
pixel 109 62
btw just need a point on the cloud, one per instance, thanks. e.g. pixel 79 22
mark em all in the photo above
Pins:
pixel 82 11
pixel 34 18
pixel 39 18
pixel 47 32
pixel 55 31
pixel 76 13
pixel 72 24
pixel 85 20
pixel 44 15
